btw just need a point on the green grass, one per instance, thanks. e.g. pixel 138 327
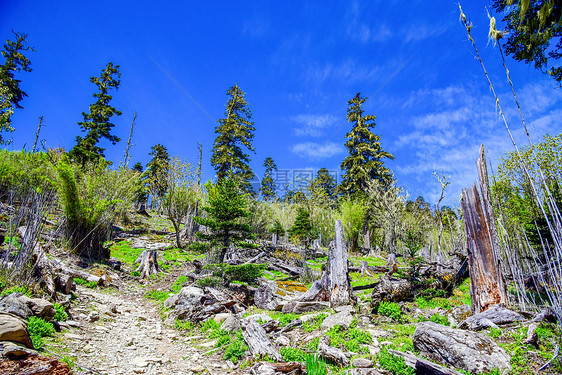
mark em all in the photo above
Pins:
pixel 314 324
pixel 350 340
pixel 87 284
pixel 391 310
pixel 60 313
pixel 158 295
pixel 394 364
pixel 123 251
pixel 358 280
pixel 291 354
pixel 17 289
pixel 440 319
pixel 178 284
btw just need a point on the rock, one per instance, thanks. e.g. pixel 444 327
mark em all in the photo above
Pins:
pixel 113 308
pixel 13 328
pixel 390 289
pixel 93 316
pixel 189 292
pixel 171 301
pixel 309 317
pixel 114 263
pixel 362 363
pixel 283 340
pixel 333 354
pixel 198 368
pixel 422 366
pixel 219 318
pixel 303 307
pixel 348 308
pixel 343 319
pixel 273 295
pixel 362 371
pixel 458 314
pixel 12 304
pixel 34 365
pixel 532 337
pixel 139 362
pixel 497 314
pixel 12 350
pixel 231 324
pixel 462 349
pixel 263 318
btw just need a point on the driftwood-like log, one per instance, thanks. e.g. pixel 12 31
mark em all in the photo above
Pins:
pixel 268 368
pixel 257 341
pixel 422 366
pixel 148 263
pixel 333 354
pixel 488 287
pixel 64 283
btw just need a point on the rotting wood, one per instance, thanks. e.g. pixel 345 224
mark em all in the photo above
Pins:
pixel 148 263
pixel 488 287
pixel 422 366
pixel 257 341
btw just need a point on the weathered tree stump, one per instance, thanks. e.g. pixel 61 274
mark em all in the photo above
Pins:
pixel 488 287
pixel 148 263
pixel 333 354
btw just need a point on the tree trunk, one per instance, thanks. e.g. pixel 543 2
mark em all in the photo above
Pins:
pixel 487 283
pixel 148 263
pixel 366 236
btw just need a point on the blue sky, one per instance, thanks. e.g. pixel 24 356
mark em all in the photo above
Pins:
pixel 299 62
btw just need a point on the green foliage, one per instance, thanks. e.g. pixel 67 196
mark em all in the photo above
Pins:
pixel 209 324
pixel 91 198
pixel 178 284
pixel 236 349
pixel 278 229
pixel 158 295
pixel 16 289
pixel 350 340
pixel 123 251
pixel 291 354
pixel 38 329
pixel 314 324
pixel 70 361
pixel 244 272
pixel 97 122
pixel 351 214
pixel 211 281
pixel 87 284
pixel 394 364
pixel 365 160
pixel 390 309
pixel 60 313
pixel 157 170
pixel 234 131
pixel 315 365
pixel 267 184
pixel 10 92
pixel 531 26
pixel 22 171
pixel 302 227
pixel 226 206
pixel 183 325
pixel 495 333
pixel 439 319
pixel 283 318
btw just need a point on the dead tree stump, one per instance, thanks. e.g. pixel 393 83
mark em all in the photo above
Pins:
pixel 257 341
pixel 148 263
pixel 488 287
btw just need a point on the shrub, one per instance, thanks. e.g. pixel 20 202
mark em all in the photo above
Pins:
pixel 87 284
pixel 178 284
pixel 293 354
pixel 236 349
pixel 395 365
pixel 183 325
pixel 60 313
pixel 209 281
pixel 314 324
pixel 17 289
pixel 390 309
pixel 439 319
pixel 244 272
pixel 38 328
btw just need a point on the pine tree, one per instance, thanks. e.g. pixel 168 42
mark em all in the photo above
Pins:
pixel 10 92
pixel 234 131
pixel 97 123
pixel 302 227
pixel 278 229
pixel 226 206
pixel 267 184
pixel 322 189
pixel 156 171
pixel 365 155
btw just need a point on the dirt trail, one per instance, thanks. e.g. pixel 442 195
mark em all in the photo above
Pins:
pixel 132 340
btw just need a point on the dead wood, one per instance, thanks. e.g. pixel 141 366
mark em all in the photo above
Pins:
pixel 422 366
pixel 148 263
pixel 258 342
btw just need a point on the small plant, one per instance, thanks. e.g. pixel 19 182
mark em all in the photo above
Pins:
pixel 236 349
pixel 135 273
pixel 391 310
pixel 178 284
pixel 211 281
pixel 315 365
pixel 495 333
pixel 293 354
pixel 396 365
pixel 60 313
pixel 314 324
pixel 38 328
pixel 209 324
pixel 87 284
pixel 68 360
pixel 158 295
pixel 183 325
pixel 439 319
pixel 17 289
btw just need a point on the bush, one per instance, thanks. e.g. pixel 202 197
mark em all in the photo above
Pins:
pixel 209 281
pixel 396 365
pixel 87 284
pixel 236 349
pixel 390 309
pixel 439 319
pixel 178 284
pixel 293 354
pixel 244 272
pixel 60 313
pixel 38 328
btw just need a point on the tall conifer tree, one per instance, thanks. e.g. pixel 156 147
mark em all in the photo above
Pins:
pixel 97 122
pixel 267 184
pixel 234 132
pixel 365 160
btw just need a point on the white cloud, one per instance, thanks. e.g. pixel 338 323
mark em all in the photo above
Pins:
pixel 317 151
pixel 313 125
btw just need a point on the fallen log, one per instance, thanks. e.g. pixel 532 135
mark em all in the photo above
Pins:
pixel 422 366
pixel 257 341
pixel 268 368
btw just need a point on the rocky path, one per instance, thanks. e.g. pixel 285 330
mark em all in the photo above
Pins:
pixel 122 333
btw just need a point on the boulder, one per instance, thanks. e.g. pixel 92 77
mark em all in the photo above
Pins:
pixel 304 307
pixel 362 363
pixel 171 301
pixel 497 314
pixel 231 324
pixel 458 314
pixel 273 295
pixel 11 350
pixel 458 348
pixel 390 289
pixel 343 319
pixel 12 328
pixel 12 304
pixel 219 318
pixel 40 307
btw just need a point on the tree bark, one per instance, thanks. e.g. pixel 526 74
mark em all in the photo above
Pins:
pixel 257 341
pixel 488 287
pixel 148 263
